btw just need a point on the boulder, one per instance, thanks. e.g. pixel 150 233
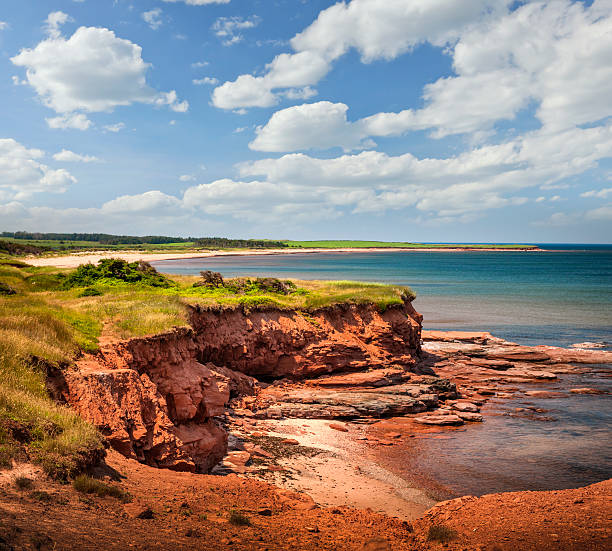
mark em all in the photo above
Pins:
pixel 440 420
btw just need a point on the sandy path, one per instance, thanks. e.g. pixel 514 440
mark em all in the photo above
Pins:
pixel 75 259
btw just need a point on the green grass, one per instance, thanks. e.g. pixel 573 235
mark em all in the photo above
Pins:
pixel 331 244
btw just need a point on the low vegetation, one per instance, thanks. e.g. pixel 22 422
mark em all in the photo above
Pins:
pixel 88 485
pixel 237 518
pixel 20 249
pixel 441 533
pixel 53 315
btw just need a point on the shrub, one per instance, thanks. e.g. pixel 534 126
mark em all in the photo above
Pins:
pixel 113 270
pixel 210 279
pixel 90 292
pixel 237 518
pixel 6 289
pixel 20 249
pixel 24 483
pixel 441 533
pixel 40 495
pixel 88 485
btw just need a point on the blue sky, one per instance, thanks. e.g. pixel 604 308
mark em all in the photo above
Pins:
pixel 424 120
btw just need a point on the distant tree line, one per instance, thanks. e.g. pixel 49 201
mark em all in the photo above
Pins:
pixel 225 243
pixel 102 238
pixel 107 239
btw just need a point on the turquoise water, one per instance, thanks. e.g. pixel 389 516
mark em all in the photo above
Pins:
pixel 556 297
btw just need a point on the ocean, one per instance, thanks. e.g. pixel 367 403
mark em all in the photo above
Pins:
pixel 559 296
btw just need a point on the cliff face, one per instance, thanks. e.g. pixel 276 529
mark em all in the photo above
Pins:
pixel 275 344
pixel 156 398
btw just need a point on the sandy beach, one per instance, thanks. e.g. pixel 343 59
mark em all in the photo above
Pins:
pixel 75 259
pixel 341 474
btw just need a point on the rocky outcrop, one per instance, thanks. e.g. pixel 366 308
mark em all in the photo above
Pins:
pixel 156 398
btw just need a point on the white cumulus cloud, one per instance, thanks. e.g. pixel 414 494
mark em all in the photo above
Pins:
pixel 565 67
pixel 598 193
pixel 117 127
pixel 377 29
pixel 153 18
pixel 91 71
pixel 22 174
pixel 68 156
pixel 228 29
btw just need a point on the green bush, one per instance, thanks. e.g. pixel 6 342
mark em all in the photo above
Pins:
pixel 114 270
pixel 90 292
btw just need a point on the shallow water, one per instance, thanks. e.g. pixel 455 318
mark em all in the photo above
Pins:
pixel 567 446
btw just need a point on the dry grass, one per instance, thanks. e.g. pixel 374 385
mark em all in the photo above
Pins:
pixel 88 485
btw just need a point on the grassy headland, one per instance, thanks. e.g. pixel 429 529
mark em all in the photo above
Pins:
pixel 49 316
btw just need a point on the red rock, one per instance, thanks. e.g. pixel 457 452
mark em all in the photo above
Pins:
pixel 545 394
pixel 373 378
pixel 290 441
pixel 131 413
pixel 523 354
pixel 531 374
pixel 260 452
pixel 478 337
pixel 392 435
pixel 338 427
pixel 346 337
pixel 469 416
pixel 586 391
pixel 499 365
pixel 439 420
pixel 465 406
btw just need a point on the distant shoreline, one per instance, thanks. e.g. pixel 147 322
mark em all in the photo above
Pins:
pixel 75 259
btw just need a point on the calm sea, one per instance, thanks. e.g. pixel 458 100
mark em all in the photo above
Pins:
pixel 560 296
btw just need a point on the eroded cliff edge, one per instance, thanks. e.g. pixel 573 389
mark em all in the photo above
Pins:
pixel 156 398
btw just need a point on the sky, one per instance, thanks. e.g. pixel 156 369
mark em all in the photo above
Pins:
pixel 404 120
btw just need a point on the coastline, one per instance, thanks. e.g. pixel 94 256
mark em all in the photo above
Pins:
pixel 360 463
pixel 75 259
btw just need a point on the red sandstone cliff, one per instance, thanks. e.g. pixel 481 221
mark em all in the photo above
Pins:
pixel 155 398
